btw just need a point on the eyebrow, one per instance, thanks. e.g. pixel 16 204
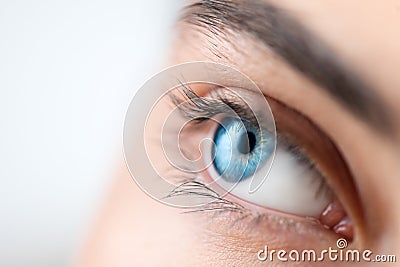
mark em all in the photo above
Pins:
pixel 290 40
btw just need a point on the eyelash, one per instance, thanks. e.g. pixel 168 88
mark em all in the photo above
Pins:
pixel 198 188
pixel 199 110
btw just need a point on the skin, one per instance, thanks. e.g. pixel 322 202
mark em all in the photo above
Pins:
pixel 134 230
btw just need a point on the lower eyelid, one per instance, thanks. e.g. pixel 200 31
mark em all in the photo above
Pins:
pixel 268 228
pixel 231 210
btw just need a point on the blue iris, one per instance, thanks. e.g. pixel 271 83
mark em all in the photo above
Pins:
pixel 240 148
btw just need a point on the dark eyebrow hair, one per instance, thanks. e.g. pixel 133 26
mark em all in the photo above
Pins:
pixel 290 40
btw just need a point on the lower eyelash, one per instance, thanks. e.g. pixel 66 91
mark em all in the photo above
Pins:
pixel 217 203
pixel 220 206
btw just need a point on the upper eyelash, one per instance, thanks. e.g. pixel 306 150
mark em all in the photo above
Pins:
pixel 200 109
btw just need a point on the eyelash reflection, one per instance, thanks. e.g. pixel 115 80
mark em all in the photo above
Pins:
pixel 200 109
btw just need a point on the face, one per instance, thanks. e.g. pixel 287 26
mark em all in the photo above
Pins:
pixel 329 73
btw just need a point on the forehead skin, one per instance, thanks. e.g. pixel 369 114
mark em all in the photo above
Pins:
pixel 365 33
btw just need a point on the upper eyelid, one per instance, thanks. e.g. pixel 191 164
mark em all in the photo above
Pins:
pixel 311 56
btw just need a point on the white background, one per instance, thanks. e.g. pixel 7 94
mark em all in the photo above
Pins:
pixel 68 70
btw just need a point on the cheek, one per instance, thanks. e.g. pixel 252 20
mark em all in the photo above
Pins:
pixel 234 240
pixel 157 235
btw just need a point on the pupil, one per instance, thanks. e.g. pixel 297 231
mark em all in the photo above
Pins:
pixel 247 142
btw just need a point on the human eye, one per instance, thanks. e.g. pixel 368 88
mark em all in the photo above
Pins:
pixel 244 150
pixel 224 146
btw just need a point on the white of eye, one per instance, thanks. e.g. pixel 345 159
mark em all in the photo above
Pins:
pixel 291 186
